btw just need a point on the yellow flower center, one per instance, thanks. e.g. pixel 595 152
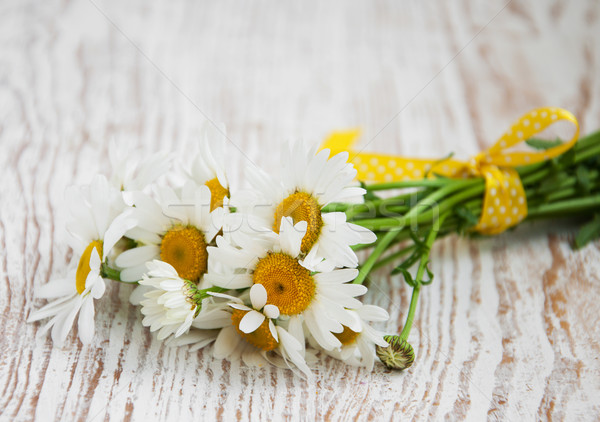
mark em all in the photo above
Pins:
pixel 260 338
pixel 217 193
pixel 83 268
pixel 289 285
pixel 185 249
pixel 347 336
pixel 301 207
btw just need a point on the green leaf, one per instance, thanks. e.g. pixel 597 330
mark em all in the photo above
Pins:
pixel 567 158
pixel 435 163
pixel 429 274
pixel 407 277
pixel 413 235
pixel 550 183
pixel 413 258
pixel 588 232
pixel 466 218
pixel 408 262
pixel 543 144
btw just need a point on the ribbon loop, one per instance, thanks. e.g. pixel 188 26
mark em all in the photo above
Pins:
pixel 504 203
pixel 529 125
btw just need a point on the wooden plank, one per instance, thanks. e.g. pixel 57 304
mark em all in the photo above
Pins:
pixel 507 331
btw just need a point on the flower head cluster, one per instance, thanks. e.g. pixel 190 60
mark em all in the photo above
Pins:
pixel 266 274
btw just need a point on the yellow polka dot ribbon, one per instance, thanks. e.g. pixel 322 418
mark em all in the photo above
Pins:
pixel 504 203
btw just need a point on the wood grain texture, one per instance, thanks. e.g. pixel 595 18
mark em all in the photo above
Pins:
pixel 508 331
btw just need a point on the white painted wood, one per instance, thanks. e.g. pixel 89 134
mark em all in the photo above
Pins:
pixel 509 330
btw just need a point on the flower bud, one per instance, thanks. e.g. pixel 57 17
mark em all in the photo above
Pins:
pixel 398 355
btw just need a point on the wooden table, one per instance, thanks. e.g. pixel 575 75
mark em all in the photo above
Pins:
pixel 509 330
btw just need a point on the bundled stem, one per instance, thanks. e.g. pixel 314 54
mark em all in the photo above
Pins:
pixel 567 186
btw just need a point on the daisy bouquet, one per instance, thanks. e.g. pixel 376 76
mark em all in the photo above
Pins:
pixel 270 274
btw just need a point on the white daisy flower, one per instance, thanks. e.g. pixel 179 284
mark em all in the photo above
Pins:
pixel 358 347
pixel 130 172
pixel 249 333
pixel 308 183
pixel 170 306
pixel 175 229
pixel 208 166
pixel 95 226
pixel 214 314
pixel 319 294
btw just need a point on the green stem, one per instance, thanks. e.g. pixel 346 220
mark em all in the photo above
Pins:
pixel 393 232
pixel 380 205
pixel 475 188
pixel 392 257
pixel 411 313
pixel 590 203
pixel 107 272
pixel 419 277
pixel 203 293
pixel 373 206
pixel 372 259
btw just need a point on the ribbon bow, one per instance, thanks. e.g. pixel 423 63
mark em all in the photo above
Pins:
pixel 504 203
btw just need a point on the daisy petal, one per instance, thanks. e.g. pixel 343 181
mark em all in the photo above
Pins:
pixel 373 313
pixel 291 235
pixel 95 260
pixel 240 307
pixel 251 321
pixel 227 341
pixel 273 331
pixel 116 231
pixel 271 311
pixel 258 296
pixel 57 288
pixel 85 324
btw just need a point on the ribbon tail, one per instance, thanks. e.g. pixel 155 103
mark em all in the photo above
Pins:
pixel 341 141
pixel 504 202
